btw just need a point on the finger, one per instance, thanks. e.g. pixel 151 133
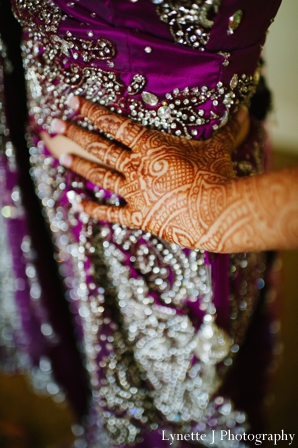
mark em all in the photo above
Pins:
pixel 121 128
pixel 110 213
pixel 94 144
pixel 101 176
pixel 236 130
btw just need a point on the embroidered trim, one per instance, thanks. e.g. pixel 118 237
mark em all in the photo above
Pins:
pixel 145 350
pixel 54 70
pixel 140 350
pixel 189 22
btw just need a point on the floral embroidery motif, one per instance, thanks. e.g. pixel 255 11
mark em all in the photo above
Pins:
pixel 42 19
pixel 81 48
pixel 182 111
pixel 145 349
pixel 190 22
pixel 186 112
pixel 141 347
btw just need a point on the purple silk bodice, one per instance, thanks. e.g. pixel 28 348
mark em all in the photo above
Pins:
pixel 138 302
pixel 170 68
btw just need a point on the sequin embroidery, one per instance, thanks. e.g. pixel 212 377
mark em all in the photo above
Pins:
pixel 189 22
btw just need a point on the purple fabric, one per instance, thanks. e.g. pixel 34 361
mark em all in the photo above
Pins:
pixel 167 67
pixel 170 65
pixel 50 308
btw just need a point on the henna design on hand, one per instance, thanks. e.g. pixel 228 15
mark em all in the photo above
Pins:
pixel 181 190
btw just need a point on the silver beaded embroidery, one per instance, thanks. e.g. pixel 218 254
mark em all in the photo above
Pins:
pixel 155 341
pixel 12 358
pixel 189 21
pixel 180 112
pixel 164 341
pixel 14 344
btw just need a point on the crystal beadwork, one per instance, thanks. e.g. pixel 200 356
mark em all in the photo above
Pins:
pixel 234 82
pixel 137 84
pixel 164 112
pixel 213 343
pixel 140 352
pixel 189 22
pixel 149 98
pixel 234 21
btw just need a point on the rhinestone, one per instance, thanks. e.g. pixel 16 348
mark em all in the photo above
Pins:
pixel 234 21
pixel 148 49
pixel 36 49
pixel 90 33
pixel 213 343
pixel 164 112
pixel 234 82
pixel 149 98
pixel 224 119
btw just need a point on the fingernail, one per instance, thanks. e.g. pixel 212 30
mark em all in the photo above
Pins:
pixel 73 101
pixel 58 126
pixel 77 207
pixel 65 160
pixel 242 115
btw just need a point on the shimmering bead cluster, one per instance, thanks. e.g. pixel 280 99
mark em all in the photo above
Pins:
pixel 51 77
pixel 183 111
pixel 140 351
pixel 20 292
pixel 129 291
pixel 189 21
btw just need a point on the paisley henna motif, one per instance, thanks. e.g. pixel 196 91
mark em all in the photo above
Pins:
pixel 183 191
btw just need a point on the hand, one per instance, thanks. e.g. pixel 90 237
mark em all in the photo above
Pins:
pixel 173 187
